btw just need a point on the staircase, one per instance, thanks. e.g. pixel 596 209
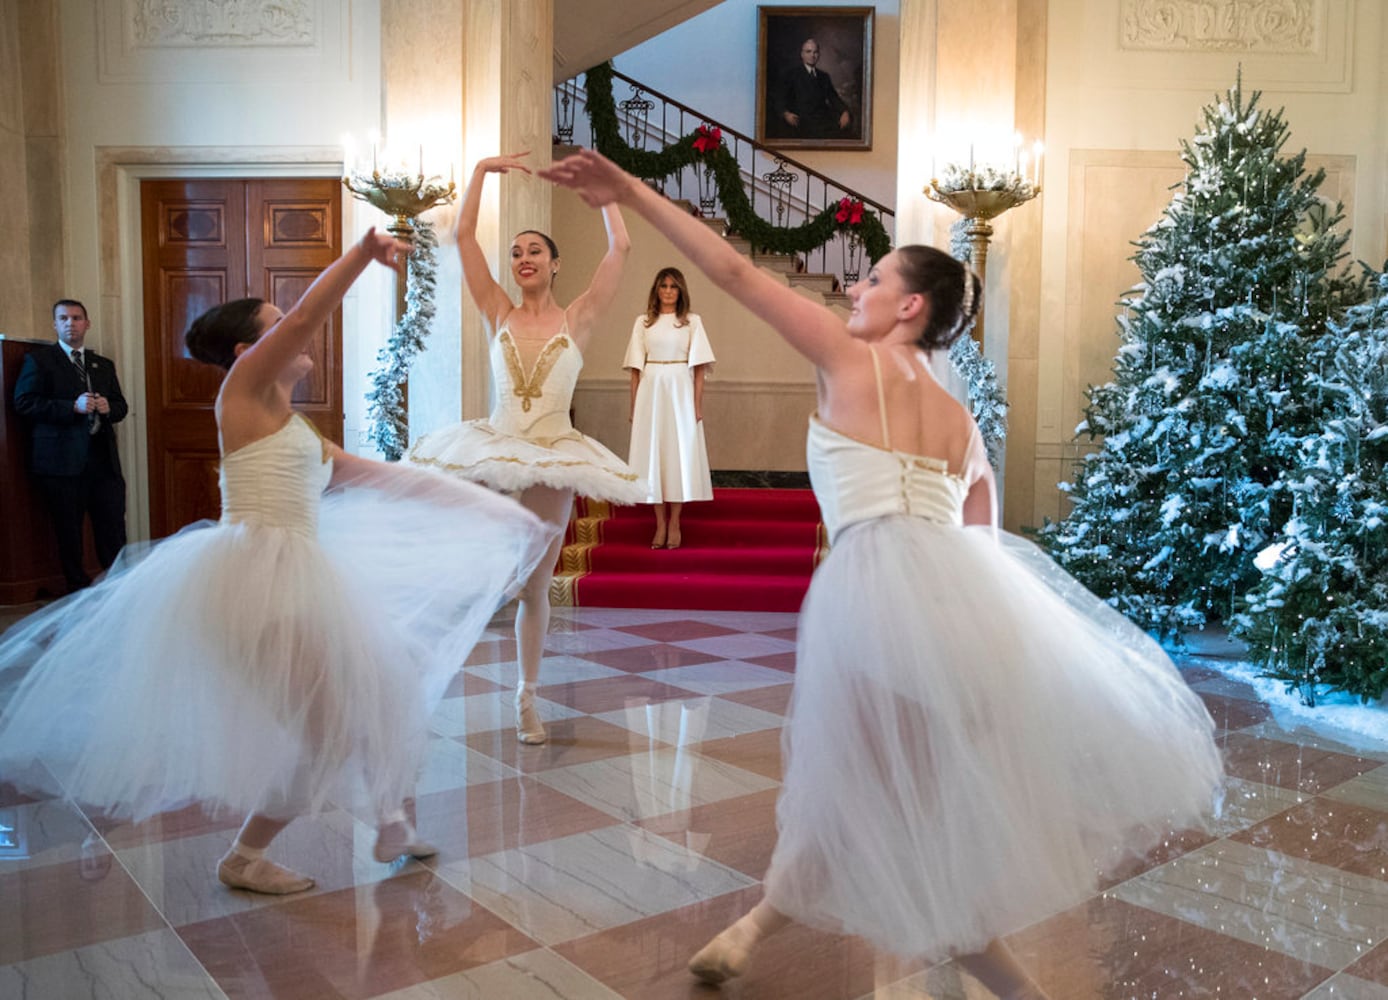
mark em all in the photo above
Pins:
pixel 790 267
pixel 776 185
pixel 745 550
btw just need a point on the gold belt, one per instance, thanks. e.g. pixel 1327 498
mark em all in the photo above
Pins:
pixel 681 361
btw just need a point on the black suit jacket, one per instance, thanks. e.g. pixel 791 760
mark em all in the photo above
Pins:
pixel 49 383
pixel 815 100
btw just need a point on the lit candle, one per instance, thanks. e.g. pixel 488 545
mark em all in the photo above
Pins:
pixel 971 158
pixel 1017 154
pixel 421 159
pixel 373 156
pixel 1037 148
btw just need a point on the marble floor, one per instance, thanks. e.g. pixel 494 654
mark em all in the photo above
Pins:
pixel 590 868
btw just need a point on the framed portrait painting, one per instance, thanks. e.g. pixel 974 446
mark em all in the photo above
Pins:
pixel 814 77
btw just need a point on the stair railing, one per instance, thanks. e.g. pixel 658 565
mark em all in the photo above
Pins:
pixel 782 190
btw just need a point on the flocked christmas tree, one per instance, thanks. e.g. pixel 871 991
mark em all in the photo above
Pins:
pixel 1318 618
pixel 1208 400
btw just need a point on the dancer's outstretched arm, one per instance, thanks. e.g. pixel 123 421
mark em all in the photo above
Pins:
pixel 585 311
pixel 810 328
pixel 262 362
pixel 486 293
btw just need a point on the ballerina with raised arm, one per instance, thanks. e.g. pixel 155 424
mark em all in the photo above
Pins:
pixel 276 660
pixel 528 446
pixel 968 724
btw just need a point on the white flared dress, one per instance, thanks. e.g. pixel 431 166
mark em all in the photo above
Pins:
pixel 287 655
pixel 667 443
pixel 529 438
pixel 973 736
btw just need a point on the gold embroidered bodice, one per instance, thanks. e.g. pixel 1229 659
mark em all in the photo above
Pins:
pixel 534 404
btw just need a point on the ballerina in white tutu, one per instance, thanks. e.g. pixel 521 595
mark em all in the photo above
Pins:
pixel 972 736
pixel 528 445
pixel 277 659
pixel 669 356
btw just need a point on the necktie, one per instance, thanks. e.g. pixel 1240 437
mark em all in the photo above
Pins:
pixel 93 421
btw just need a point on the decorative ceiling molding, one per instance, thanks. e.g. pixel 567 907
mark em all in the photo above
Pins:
pixel 1255 26
pixel 258 23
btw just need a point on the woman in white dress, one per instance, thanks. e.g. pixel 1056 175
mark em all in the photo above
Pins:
pixel 972 735
pixel 272 661
pixel 668 356
pixel 528 446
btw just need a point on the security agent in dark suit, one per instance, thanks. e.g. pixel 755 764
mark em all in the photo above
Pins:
pixel 810 106
pixel 72 398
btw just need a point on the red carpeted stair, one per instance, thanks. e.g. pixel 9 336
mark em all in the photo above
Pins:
pixel 745 550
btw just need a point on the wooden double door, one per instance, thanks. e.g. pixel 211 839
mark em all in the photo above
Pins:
pixel 209 241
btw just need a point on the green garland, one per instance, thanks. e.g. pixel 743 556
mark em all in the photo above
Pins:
pixel 385 408
pixel 652 165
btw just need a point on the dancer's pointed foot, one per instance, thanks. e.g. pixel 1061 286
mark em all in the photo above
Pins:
pixel 399 839
pixel 726 956
pixel 529 729
pixel 237 871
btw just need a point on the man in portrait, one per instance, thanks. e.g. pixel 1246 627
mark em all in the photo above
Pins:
pixel 807 105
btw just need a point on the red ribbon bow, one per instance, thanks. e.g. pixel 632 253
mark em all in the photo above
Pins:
pixel 708 139
pixel 850 212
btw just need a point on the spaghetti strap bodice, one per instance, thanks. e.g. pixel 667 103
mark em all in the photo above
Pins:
pixel 856 481
pixel 278 480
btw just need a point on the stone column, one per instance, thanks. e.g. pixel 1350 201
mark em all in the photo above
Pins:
pixel 970 67
pixel 469 79
pixel 507 107
pixel 32 271
pixel 421 106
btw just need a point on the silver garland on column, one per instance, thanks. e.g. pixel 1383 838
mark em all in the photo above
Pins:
pixel 389 426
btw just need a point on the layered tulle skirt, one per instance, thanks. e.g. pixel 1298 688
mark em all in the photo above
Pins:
pixel 253 667
pixel 477 451
pixel 973 739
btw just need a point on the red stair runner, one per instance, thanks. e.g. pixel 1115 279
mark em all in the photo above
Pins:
pixel 745 550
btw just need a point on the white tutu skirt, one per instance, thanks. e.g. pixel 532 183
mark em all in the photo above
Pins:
pixel 972 740
pixel 253 667
pixel 477 451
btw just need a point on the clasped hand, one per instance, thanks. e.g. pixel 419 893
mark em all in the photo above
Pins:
pixel 91 402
